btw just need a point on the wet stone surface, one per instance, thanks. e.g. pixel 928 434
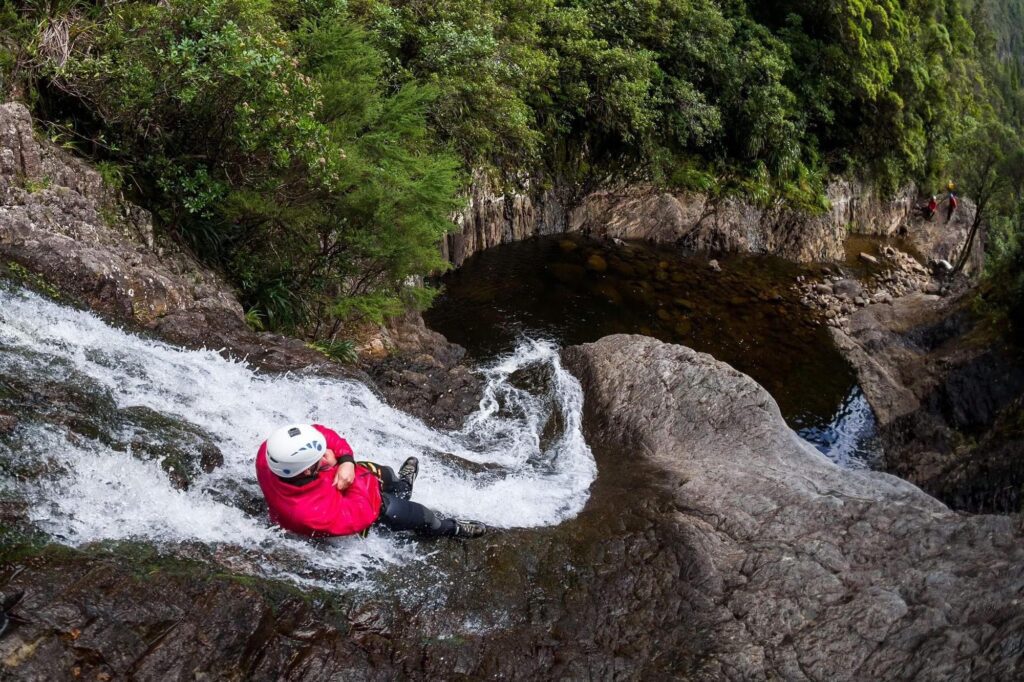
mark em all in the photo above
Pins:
pixel 55 393
pixel 700 556
pixel 596 597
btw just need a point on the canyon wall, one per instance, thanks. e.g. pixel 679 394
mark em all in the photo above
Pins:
pixel 702 223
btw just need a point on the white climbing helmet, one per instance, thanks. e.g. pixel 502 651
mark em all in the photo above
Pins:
pixel 293 449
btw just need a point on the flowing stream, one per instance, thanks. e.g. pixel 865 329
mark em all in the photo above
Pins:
pixel 520 461
pixel 110 425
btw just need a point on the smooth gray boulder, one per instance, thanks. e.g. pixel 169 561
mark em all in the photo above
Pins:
pixel 815 572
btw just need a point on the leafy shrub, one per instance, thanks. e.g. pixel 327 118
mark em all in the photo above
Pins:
pixel 343 351
pixel 277 149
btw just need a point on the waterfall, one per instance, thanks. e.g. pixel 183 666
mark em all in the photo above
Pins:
pixel 519 461
pixel 849 439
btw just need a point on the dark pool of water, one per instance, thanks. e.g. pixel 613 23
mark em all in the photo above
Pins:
pixel 573 290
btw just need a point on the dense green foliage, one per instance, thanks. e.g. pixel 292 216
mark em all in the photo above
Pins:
pixel 991 159
pixel 1007 21
pixel 989 156
pixel 314 149
pixel 269 141
pixel 783 89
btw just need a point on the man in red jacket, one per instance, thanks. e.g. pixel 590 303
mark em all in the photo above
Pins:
pixel 314 486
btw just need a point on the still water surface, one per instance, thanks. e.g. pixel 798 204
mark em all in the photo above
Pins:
pixel 573 289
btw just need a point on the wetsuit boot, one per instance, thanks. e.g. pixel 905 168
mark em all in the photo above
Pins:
pixel 409 470
pixel 468 529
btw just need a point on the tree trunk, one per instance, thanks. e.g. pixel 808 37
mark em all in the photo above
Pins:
pixel 962 260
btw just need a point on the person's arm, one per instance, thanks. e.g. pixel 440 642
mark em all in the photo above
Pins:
pixel 345 475
pixel 343 455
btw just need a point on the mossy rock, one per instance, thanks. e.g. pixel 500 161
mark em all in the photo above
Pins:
pixel 19 275
pixel 184 450
pixel 35 390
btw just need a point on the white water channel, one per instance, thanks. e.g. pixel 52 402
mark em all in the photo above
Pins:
pixel 504 468
pixel 849 439
pixel 523 479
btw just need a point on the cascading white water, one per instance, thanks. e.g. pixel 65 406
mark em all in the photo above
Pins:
pixel 848 439
pixel 104 494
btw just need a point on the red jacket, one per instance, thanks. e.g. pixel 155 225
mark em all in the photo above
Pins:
pixel 317 508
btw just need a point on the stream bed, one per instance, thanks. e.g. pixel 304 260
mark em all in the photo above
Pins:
pixel 571 289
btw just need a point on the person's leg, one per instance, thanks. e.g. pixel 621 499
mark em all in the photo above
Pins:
pixel 390 482
pixel 401 514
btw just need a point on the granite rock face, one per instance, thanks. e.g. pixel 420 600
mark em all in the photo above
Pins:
pixel 814 571
pixel 491 218
pixel 424 374
pixel 697 221
pixel 58 218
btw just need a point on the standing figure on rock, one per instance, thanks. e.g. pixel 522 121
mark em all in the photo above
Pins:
pixel 951 187
pixel 928 210
pixel 314 486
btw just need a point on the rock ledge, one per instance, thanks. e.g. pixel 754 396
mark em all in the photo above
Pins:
pixel 814 571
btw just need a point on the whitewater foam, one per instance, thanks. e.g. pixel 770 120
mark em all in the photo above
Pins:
pixel 849 439
pixel 103 494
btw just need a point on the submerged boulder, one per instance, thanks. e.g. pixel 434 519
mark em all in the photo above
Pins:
pixel 811 571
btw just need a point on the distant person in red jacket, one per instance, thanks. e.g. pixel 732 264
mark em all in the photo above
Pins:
pixel 314 486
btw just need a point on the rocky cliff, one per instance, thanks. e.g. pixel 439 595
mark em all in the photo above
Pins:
pixel 948 393
pixel 696 221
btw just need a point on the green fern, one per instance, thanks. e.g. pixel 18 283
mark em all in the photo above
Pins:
pixel 254 318
pixel 341 350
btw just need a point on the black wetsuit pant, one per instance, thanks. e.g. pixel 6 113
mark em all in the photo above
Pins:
pixel 398 512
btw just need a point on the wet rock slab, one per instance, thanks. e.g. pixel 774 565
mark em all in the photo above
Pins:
pixel 425 375
pixel 57 394
pixel 716 545
pixel 814 572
